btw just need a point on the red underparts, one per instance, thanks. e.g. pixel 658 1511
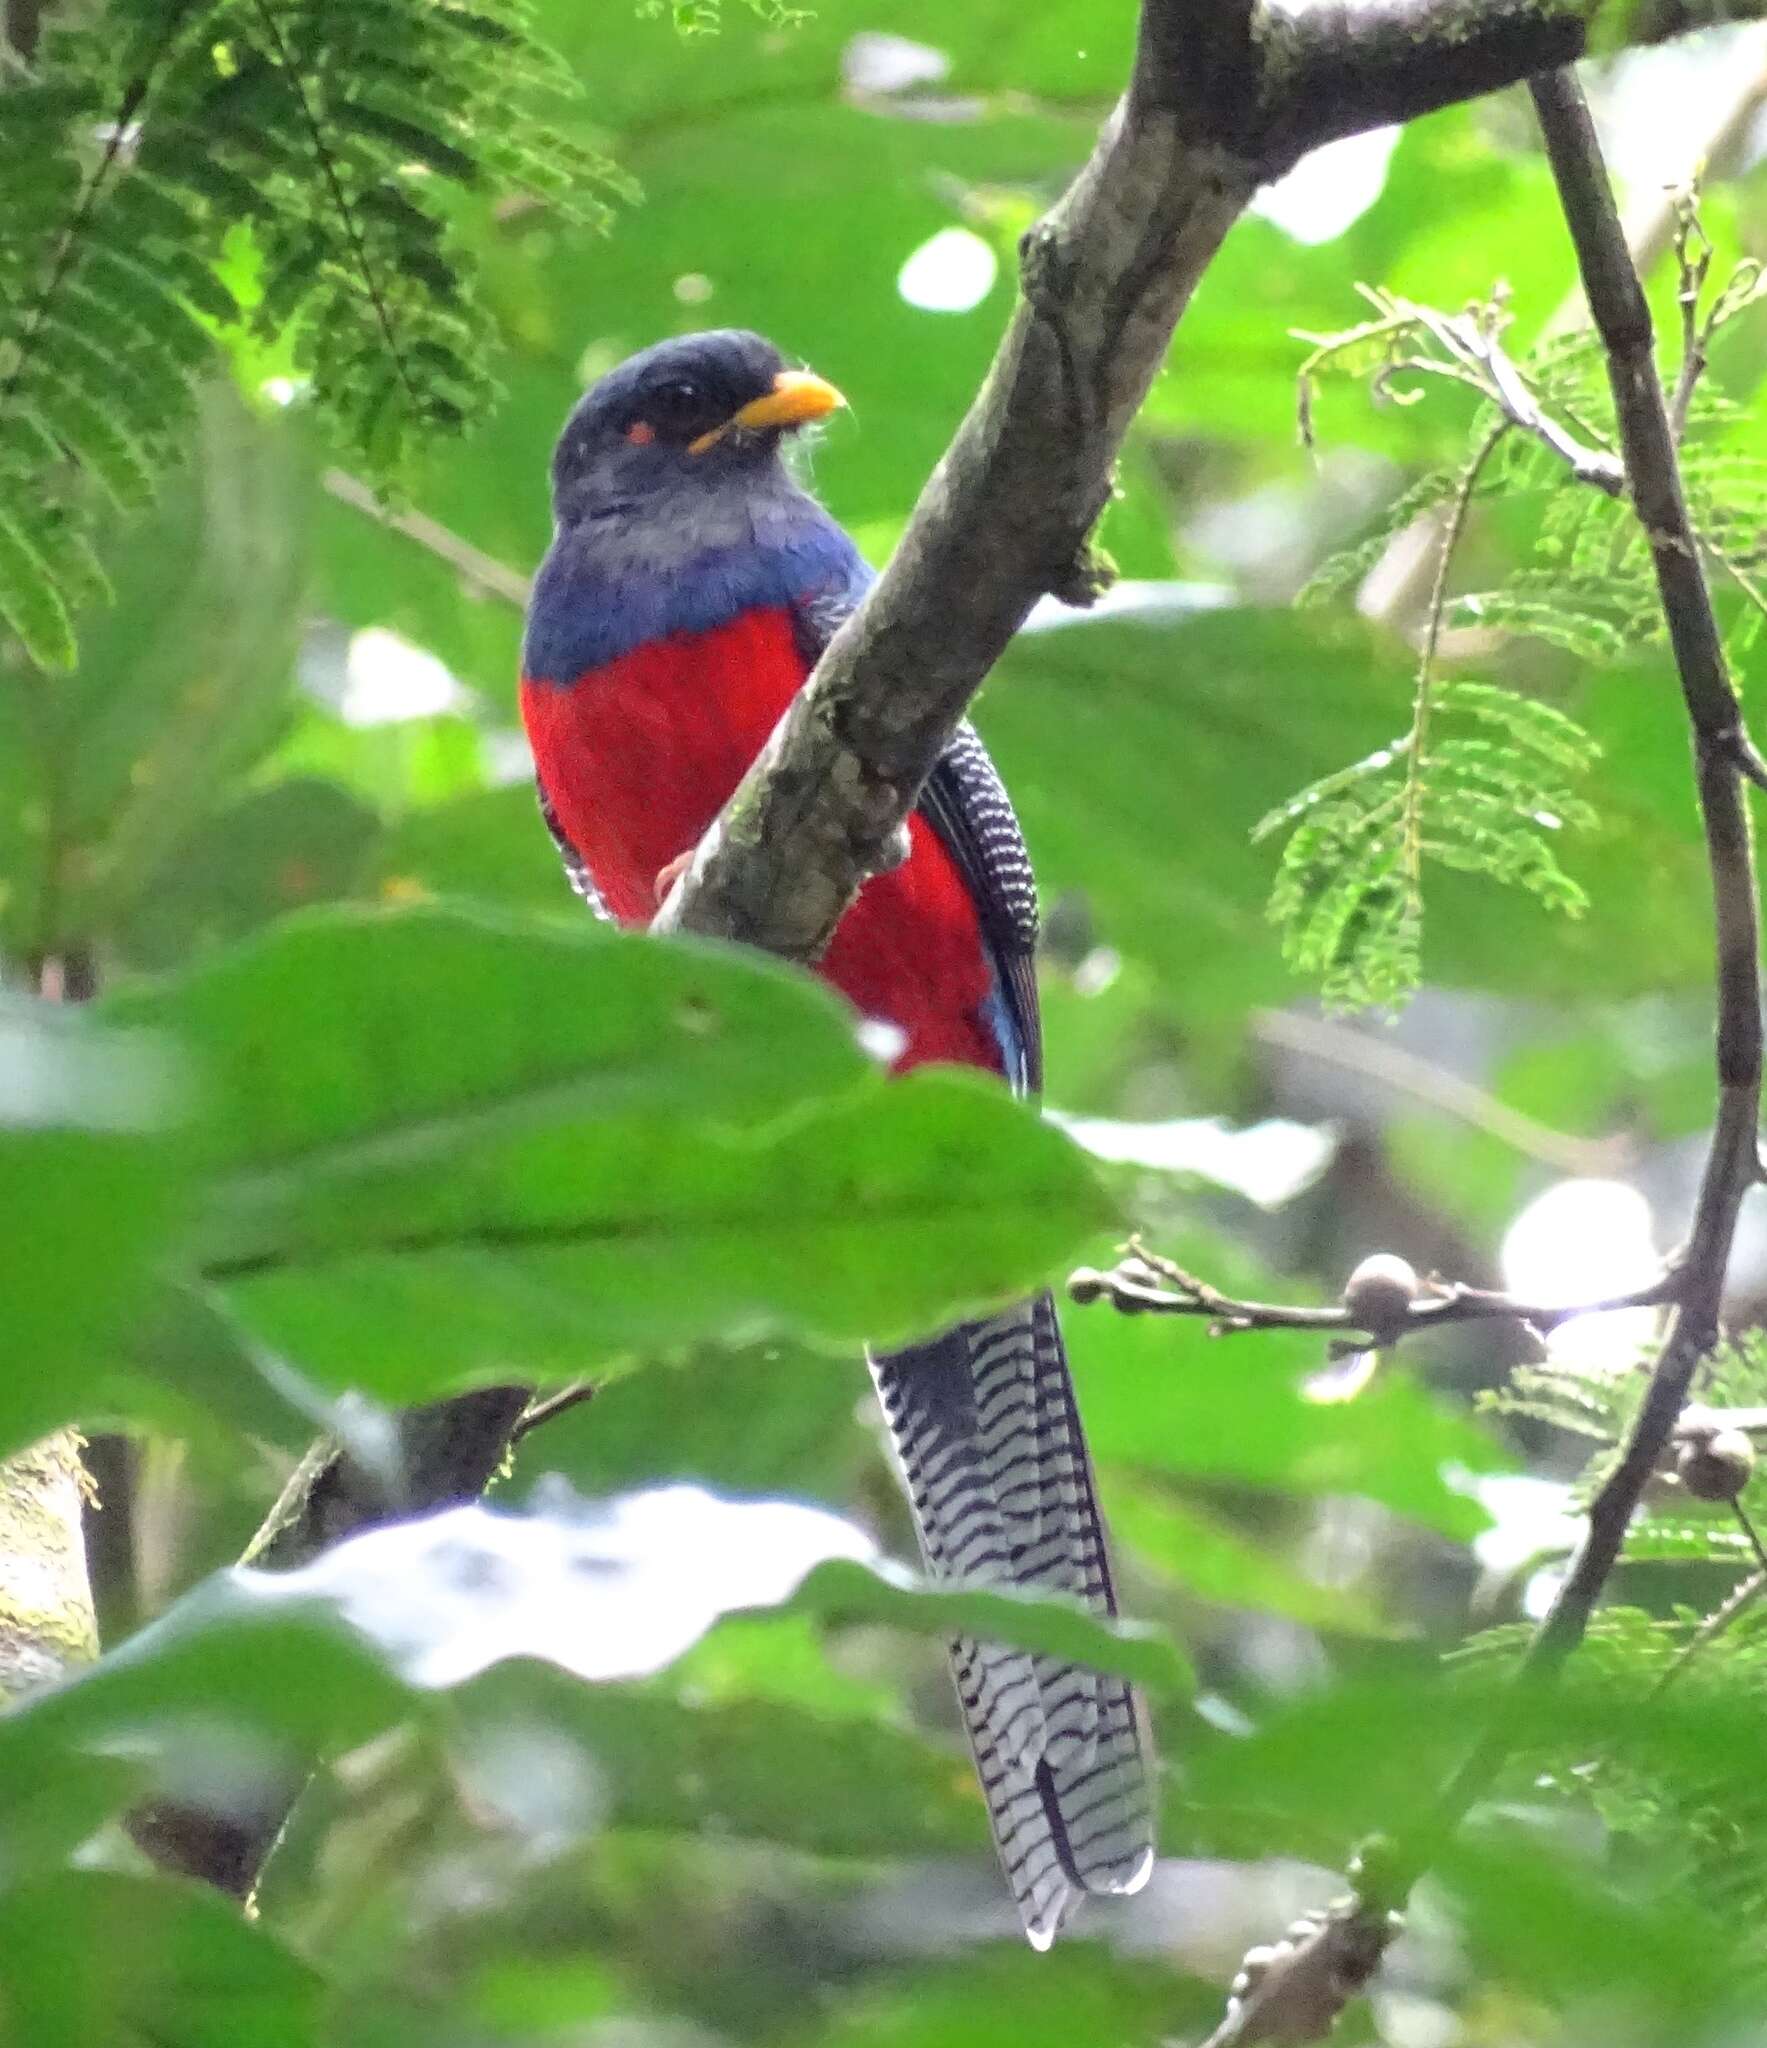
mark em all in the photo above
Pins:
pixel 639 756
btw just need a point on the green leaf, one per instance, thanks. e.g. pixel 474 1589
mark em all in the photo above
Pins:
pixel 1211 1559
pixel 188 1371
pixel 97 1196
pixel 278 848
pixel 30 602
pixel 300 1665
pixel 96 1956
pixel 495 1148
pixel 552 1253
pixel 182 685
pixel 424 1032
pixel 284 1682
pixel 763 1419
pixel 754 1770
pixel 844 1591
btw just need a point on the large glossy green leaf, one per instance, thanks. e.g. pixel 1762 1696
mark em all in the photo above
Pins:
pixel 444 1147
pixel 343 1042
pixel 550 1252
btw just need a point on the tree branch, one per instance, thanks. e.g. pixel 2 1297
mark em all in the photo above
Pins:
pixel 1394 589
pixel 1224 95
pixel 1334 71
pixel 1143 1283
pixel 445 1454
pixel 1622 318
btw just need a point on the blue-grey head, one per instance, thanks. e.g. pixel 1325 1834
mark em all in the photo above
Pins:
pixel 699 416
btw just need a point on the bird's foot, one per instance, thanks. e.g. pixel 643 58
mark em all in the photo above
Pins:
pixel 669 876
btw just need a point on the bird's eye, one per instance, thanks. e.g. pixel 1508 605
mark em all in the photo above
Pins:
pixel 676 402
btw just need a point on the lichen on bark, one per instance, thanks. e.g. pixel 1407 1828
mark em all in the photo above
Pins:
pixel 47 1625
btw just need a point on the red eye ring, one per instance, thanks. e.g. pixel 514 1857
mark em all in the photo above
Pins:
pixel 641 433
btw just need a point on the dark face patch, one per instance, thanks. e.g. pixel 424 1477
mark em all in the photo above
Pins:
pixel 635 429
pixel 678 410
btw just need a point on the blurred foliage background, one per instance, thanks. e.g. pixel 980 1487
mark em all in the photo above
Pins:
pixel 365 1112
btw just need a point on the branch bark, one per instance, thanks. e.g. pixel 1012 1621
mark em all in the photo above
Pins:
pixel 1224 96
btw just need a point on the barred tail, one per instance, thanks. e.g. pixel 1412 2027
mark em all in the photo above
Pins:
pixel 984 1422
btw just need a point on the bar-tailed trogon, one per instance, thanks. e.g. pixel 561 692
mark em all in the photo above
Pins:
pixel 690 586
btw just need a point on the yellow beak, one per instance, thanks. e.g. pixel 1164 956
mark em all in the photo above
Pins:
pixel 797 396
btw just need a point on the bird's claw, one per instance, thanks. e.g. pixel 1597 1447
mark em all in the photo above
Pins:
pixel 667 877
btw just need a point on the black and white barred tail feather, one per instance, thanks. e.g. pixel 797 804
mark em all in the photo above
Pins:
pixel 983 1421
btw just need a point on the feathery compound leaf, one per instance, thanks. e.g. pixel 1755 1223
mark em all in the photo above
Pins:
pixel 30 601
pixel 1348 893
pixel 1485 779
pixel 311 125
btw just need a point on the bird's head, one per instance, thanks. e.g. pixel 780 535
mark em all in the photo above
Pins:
pixel 703 413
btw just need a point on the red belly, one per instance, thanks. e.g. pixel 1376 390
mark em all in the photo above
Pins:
pixel 638 758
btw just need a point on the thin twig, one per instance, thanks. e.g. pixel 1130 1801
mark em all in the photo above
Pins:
pixel 538 1413
pixel 1745 1522
pixel 1474 345
pixel 1622 318
pixel 482 571
pixel 1409 1073
pixel 1690 282
pixel 1418 738
pixel 1144 1283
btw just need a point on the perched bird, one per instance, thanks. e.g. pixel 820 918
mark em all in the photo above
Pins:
pixel 689 589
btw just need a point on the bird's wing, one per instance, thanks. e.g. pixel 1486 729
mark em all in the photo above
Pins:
pixel 576 872
pixel 985 1426
pixel 966 804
